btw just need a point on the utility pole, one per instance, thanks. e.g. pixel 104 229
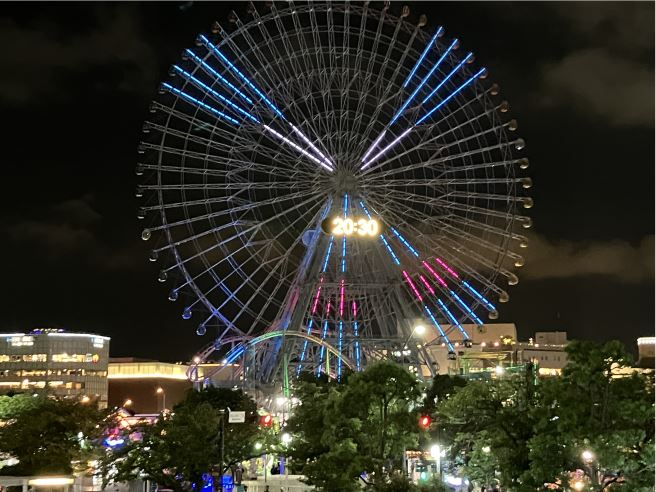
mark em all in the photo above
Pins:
pixel 222 416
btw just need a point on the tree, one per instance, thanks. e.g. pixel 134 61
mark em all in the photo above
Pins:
pixel 182 446
pixel 363 425
pixel 491 423
pixel 46 434
pixel 589 409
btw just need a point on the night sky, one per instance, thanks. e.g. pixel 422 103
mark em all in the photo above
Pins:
pixel 76 82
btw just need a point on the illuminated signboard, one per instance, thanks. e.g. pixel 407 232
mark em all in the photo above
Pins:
pixel 351 226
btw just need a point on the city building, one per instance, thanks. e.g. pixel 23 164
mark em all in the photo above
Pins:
pixel 495 345
pixel 66 364
pixel 148 386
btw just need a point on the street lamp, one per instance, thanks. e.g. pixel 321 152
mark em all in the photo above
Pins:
pixel 588 456
pixel 160 391
pixel 127 403
pixel 419 330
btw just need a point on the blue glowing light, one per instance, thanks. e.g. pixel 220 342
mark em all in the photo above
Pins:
pixel 216 51
pixel 453 319
pixel 356 332
pixel 339 347
pixel 222 79
pixel 477 294
pixel 344 254
pixel 235 355
pixel 440 30
pixel 391 251
pixel 439 327
pixel 324 333
pixel 403 240
pixel 198 83
pixel 467 308
pixel 453 94
pixel 423 82
pixel 325 261
pixel 465 60
pixel 200 103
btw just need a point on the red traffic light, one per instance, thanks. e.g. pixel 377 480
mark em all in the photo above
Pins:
pixel 424 421
pixel 266 420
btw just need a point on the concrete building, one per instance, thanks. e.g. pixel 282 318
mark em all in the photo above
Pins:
pixel 66 364
pixel 495 345
pixel 148 386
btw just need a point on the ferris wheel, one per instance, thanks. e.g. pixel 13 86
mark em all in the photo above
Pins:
pixel 319 177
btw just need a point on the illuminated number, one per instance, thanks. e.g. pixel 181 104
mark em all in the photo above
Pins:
pixel 363 227
pixel 349 227
pixel 338 226
pixel 373 227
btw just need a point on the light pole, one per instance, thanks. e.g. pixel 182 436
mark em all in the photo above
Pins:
pixel 160 391
pixel 419 330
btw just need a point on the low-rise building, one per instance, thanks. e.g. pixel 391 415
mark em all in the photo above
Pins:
pixel 66 364
pixel 148 386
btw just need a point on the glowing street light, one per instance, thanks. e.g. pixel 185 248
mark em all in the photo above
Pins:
pixel 419 330
pixel 85 399
pixel 499 370
pixel 588 456
pixel 435 451
pixel 160 391
pixel 127 403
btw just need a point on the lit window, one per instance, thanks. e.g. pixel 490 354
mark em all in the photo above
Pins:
pixel 98 342
pixel 21 341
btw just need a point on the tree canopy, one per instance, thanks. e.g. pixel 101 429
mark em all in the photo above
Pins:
pixel 47 435
pixel 182 446
pixel 359 428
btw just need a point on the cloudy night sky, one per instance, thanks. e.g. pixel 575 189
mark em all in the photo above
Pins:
pixel 75 86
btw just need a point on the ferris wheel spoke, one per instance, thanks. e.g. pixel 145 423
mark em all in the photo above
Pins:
pixel 394 210
pixel 283 262
pixel 251 231
pixel 293 77
pixel 430 141
pixel 242 208
pixel 381 88
pixel 230 162
pixel 321 160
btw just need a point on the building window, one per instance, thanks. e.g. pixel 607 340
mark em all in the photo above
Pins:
pixel 64 357
pixel 22 341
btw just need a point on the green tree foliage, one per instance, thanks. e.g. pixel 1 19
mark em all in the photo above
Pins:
pixel 183 445
pixel 362 425
pixel 494 415
pixel 589 409
pixel 528 435
pixel 47 435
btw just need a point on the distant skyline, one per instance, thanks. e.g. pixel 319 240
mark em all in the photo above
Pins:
pixel 77 81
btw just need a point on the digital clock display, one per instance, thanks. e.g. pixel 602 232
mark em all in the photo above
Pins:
pixel 351 226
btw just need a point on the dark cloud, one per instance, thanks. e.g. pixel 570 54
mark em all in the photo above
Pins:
pixel 610 73
pixel 70 229
pixel 593 79
pixel 38 55
pixel 617 259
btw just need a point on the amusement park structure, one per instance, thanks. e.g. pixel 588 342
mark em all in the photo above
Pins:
pixel 320 179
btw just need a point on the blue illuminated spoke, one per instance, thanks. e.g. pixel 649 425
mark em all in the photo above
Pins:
pixel 439 32
pixel 446 79
pixel 200 104
pixel 423 82
pixel 452 95
pixel 215 94
pixel 218 76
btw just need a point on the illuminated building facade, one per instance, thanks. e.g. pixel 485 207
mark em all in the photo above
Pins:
pixel 149 386
pixel 65 364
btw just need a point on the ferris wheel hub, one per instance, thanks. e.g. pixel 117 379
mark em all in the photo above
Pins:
pixel 345 181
